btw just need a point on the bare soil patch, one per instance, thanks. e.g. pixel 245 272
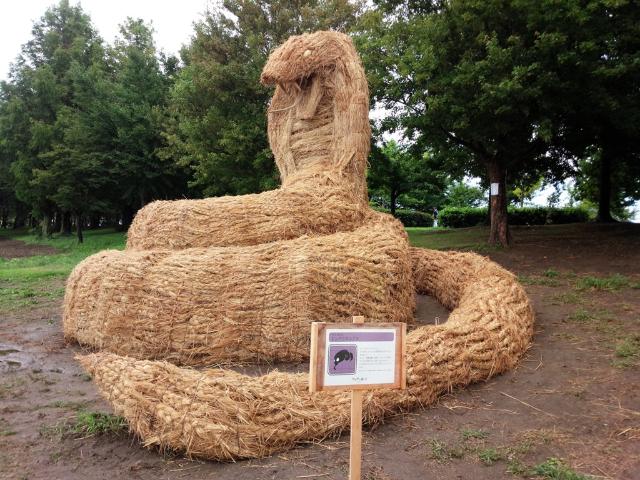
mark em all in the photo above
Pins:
pixel 573 396
pixel 10 248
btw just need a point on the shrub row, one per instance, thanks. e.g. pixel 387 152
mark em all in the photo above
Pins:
pixel 459 217
pixel 455 217
pixel 414 218
pixel 410 218
pixel 567 215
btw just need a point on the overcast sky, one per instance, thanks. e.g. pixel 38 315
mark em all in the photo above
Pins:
pixel 172 21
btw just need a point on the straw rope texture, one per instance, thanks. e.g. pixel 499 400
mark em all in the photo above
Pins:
pixel 239 279
pixel 319 134
pixel 223 415
pixel 203 306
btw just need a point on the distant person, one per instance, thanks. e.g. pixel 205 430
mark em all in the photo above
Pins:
pixel 435 217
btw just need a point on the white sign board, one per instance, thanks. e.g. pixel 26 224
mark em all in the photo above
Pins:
pixel 357 356
pixel 495 189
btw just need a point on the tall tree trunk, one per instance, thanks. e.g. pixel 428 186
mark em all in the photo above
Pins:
pixel 66 223
pixel 604 185
pixel 45 226
pixel 4 221
pixel 20 219
pixel 57 223
pixel 94 222
pixel 127 218
pixel 500 234
pixel 79 228
pixel 393 197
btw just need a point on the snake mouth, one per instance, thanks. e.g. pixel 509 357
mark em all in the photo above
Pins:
pixel 302 95
pixel 302 56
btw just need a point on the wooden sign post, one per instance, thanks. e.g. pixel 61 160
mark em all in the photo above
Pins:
pixel 355 433
pixel 357 357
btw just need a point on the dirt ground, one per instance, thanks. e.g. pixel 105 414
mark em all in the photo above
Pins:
pixel 15 248
pixel 574 396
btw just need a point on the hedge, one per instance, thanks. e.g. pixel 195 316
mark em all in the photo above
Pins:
pixel 567 215
pixel 528 215
pixel 409 218
pixel 455 217
pixel 414 218
pixel 459 217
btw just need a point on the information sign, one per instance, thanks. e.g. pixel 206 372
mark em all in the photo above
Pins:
pixel 357 356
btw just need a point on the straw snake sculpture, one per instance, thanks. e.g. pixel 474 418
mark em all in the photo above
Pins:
pixel 239 279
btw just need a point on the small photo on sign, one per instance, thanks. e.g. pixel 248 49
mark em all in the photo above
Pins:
pixel 342 359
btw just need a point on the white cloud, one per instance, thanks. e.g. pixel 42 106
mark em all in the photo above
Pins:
pixel 172 21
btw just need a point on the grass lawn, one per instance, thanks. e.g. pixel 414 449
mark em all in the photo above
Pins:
pixel 440 238
pixel 28 281
pixel 57 265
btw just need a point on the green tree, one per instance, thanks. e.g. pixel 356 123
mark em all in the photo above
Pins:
pixel 41 86
pixel 81 127
pixel 470 79
pixel 601 103
pixel 524 189
pixel 587 187
pixel 403 178
pixel 10 206
pixel 459 194
pixel 138 109
pixel 218 104
pixel 7 193
pixel 77 164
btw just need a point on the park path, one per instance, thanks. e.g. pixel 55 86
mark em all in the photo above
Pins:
pixel 10 248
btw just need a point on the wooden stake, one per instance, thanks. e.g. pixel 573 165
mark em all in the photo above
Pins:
pixel 355 455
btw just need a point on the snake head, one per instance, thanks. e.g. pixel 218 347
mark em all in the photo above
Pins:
pixel 319 113
pixel 304 56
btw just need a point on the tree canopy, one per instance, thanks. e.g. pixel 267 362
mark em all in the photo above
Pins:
pixel 494 87
pixel 220 128
pixel 81 123
pixel 517 92
pixel 398 176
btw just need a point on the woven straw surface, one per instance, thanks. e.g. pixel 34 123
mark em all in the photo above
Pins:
pixel 220 414
pixel 228 279
pixel 240 278
pixel 202 306
pixel 319 135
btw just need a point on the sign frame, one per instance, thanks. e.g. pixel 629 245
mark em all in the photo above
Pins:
pixel 318 359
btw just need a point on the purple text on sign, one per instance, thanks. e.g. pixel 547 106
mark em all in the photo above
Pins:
pixel 361 337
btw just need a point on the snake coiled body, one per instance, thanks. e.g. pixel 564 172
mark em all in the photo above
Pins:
pixel 240 279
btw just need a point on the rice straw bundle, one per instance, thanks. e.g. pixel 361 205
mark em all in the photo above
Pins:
pixel 201 306
pixel 267 265
pixel 247 289
pixel 319 134
pixel 319 206
pixel 223 415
